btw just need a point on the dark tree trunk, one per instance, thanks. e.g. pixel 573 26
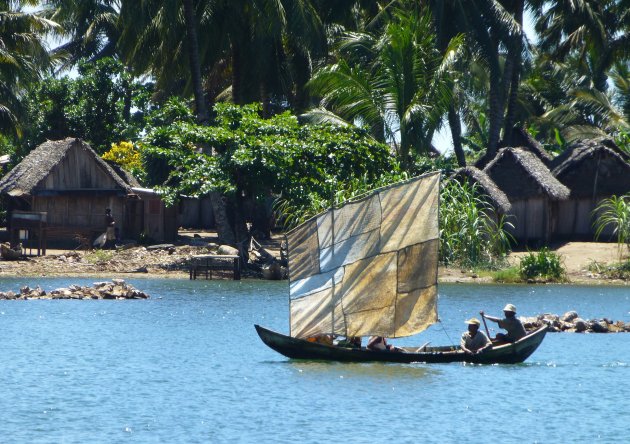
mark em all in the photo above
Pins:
pixel 302 74
pixel 265 99
pixel 515 56
pixel 495 113
pixel 237 84
pixel 456 133
pixel 224 228
pixel 490 47
pixel 126 83
pixel 195 68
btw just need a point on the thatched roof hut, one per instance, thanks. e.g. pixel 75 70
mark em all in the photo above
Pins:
pixel 531 189
pixel 592 171
pixel 495 196
pixel 32 175
pixel 521 174
pixel 66 186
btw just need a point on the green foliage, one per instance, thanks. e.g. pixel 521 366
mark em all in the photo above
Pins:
pixel 468 235
pixel 393 80
pixel 615 271
pixel 510 275
pixel 424 164
pixel 103 106
pixel 23 59
pixel 545 265
pixel 246 156
pixel 174 109
pixel 623 139
pixel 614 212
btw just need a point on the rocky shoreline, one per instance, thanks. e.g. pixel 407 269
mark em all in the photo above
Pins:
pixel 571 322
pixel 116 289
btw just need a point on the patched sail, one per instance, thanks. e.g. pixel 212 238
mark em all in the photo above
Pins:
pixel 368 267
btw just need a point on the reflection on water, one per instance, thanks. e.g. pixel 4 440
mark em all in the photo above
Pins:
pixel 376 371
pixel 187 366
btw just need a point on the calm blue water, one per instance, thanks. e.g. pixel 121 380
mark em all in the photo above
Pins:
pixel 187 366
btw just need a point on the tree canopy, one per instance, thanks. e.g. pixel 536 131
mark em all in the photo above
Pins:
pixel 163 79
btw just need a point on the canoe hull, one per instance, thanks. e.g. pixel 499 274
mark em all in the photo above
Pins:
pixel 295 348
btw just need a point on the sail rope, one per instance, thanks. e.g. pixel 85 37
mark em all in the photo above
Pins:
pixel 444 330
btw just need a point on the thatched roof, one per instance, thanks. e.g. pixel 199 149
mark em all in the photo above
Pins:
pixel 591 168
pixel 613 146
pixel 125 175
pixel 578 150
pixel 475 175
pixel 37 165
pixel 521 174
pixel 522 139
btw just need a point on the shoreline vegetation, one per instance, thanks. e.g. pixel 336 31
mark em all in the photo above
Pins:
pixel 584 263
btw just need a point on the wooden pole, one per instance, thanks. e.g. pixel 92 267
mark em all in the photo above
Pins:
pixel 485 325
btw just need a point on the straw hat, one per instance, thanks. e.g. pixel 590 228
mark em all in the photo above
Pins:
pixel 473 321
pixel 510 307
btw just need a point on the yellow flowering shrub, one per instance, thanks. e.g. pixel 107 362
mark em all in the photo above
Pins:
pixel 126 155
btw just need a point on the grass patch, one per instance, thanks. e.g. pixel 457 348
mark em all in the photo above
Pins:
pixel 99 256
pixel 613 271
pixel 510 275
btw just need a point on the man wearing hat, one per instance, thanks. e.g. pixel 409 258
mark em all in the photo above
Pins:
pixel 474 341
pixel 511 323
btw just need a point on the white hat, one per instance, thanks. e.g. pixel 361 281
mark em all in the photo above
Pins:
pixel 510 307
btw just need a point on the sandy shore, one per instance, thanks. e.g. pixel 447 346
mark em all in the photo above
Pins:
pixel 576 257
pixel 172 262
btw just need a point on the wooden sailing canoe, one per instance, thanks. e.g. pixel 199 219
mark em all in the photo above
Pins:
pixel 295 348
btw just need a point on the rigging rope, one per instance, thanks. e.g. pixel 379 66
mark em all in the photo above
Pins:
pixel 444 330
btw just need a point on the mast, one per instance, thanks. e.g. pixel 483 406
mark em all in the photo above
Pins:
pixel 332 228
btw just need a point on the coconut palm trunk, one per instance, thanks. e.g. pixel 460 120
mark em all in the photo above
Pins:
pixel 516 62
pixel 224 228
pixel 195 67
pixel 456 133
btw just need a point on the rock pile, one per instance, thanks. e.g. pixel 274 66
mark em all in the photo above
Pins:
pixel 573 323
pixel 116 289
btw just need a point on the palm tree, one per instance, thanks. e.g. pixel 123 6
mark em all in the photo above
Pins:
pixel 620 76
pixel 89 29
pixel 595 32
pixel 195 69
pixel 252 42
pixel 561 99
pixel 494 37
pixel 23 58
pixel 262 50
pixel 396 83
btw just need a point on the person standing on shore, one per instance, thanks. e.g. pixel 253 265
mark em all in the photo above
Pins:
pixel 510 323
pixel 110 233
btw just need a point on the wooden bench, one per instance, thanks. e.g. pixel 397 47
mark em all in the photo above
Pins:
pixel 207 263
